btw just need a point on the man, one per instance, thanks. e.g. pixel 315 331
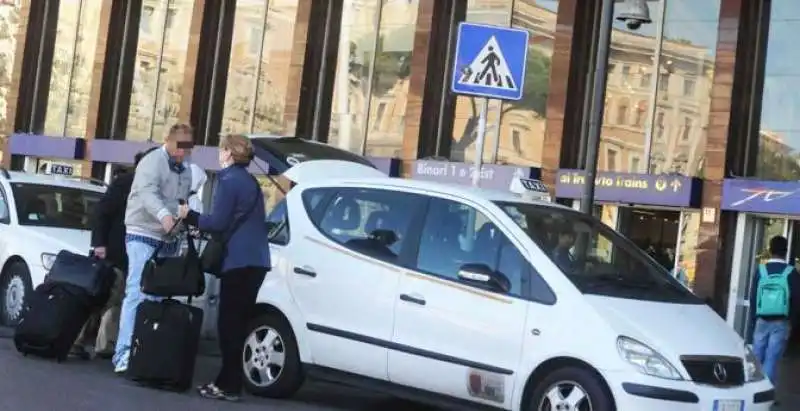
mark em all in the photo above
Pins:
pixel 775 299
pixel 562 254
pixel 108 242
pixel 162 179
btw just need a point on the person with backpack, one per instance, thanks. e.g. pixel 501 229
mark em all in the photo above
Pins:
pixel 775 300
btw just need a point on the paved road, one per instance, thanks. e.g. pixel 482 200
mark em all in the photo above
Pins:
pixel 32 384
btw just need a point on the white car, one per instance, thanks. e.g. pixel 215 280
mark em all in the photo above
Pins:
pixel 40 215
pixel 472 298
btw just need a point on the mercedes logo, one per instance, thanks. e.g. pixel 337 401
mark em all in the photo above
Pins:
pixel 720 373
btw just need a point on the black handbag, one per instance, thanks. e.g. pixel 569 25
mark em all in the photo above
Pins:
pixel 93 275
pixel 172 276
pixel 216 247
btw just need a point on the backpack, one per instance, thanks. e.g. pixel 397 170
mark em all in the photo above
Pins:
pixel 772 295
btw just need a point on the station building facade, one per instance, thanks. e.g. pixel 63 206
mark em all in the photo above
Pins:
pixel 698 157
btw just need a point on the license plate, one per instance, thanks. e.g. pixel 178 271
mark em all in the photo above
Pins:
pixel 728 405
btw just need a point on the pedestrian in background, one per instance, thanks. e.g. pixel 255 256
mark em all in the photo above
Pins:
pixel 238 215
pixel 108 243
pixel 776 299
pixel 162 179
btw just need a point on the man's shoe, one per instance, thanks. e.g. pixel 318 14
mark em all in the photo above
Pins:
pixel 80 352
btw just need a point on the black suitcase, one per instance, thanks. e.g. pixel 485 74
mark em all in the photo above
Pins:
pixel 52 320
pixel 92 274
pixel 165 341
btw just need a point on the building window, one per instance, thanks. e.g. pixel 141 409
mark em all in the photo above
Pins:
pixel 778 142
pixel 376 41
pixel 379 113
pixel 685 68
pixel 688 87
pixel 663 82
pixel 622 112
pixel 635 163
pixel 686 130
pixel 539 18
pixel 641 112
pixel 73 63
pixel 516 141
pixel 611 160
pixel 647 78
pixel 9 22
pixel 147 19
pixel 626 73
pixel 260 67
pixel 158 71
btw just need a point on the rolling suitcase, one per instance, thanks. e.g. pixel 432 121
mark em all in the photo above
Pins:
pixel 166 336
pixel 52 320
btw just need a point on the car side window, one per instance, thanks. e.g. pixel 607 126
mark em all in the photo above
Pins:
pixel 278 224
pixel 5 216
pixel 369 221
pixel 455 234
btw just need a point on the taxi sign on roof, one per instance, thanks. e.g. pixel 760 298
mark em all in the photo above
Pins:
pixel 531 189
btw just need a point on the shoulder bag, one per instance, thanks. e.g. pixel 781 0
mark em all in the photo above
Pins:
pixel 174 276
pixel 216 247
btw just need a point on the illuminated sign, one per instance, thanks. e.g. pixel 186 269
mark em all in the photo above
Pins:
pixel 761 196
pixel 632 188
pixel 493 176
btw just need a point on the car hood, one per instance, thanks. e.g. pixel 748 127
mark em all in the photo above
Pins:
pixel 53 240
pixel 671 329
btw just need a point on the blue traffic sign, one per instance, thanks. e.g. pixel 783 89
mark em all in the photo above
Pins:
pixel 490 61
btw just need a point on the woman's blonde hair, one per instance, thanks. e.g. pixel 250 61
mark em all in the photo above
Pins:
pixel 240 146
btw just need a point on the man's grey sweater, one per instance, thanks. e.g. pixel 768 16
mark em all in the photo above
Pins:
pixel 154 194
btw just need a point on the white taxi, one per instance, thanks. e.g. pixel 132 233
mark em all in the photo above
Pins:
pixel 472 298
pixel 40 215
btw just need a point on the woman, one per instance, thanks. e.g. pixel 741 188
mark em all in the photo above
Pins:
pixel 238 206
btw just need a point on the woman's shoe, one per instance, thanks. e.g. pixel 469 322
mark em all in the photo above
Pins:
pixel 212 392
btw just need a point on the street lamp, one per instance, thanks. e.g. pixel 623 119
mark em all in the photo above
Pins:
pixel 636 13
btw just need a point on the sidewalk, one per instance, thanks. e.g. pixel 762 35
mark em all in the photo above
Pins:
pixel 788 389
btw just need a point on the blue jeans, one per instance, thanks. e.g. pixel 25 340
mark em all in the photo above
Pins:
pixel 769 343
pixel 139 252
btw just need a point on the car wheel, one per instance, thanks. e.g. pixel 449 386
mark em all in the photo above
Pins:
pixel 15 287
pixel 270 360
pixel 571 389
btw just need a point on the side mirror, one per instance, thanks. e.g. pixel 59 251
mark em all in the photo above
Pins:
pixel 483 276
pixel 384 237
pixel 270 226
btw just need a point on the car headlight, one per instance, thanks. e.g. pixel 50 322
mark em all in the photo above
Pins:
pixel 646 360
pixel 47 260
pixel 752 368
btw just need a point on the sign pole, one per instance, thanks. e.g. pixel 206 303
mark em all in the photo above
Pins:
pixel 480 142
pixel 598 103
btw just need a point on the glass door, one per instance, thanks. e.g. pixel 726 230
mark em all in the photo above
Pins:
pixel 752 239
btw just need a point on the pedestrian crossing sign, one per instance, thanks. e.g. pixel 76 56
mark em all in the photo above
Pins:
pixel 490 61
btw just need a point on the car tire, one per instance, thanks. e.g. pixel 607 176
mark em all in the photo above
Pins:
pixel 561 384
pixel 15 287
pixel 270 358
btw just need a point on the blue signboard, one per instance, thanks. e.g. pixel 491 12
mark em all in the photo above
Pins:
pixel 493 176
pixel 760 196
pixel 490 61
pixel 633 188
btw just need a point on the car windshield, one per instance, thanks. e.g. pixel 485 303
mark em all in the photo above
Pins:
pixel 594 257
pixel 54 206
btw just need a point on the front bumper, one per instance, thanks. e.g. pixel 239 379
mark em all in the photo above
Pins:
pixel 636 392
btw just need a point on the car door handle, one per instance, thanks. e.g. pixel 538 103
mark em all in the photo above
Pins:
pixel 305 271
pixel 414 299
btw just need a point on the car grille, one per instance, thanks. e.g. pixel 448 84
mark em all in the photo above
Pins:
pixel 715 370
